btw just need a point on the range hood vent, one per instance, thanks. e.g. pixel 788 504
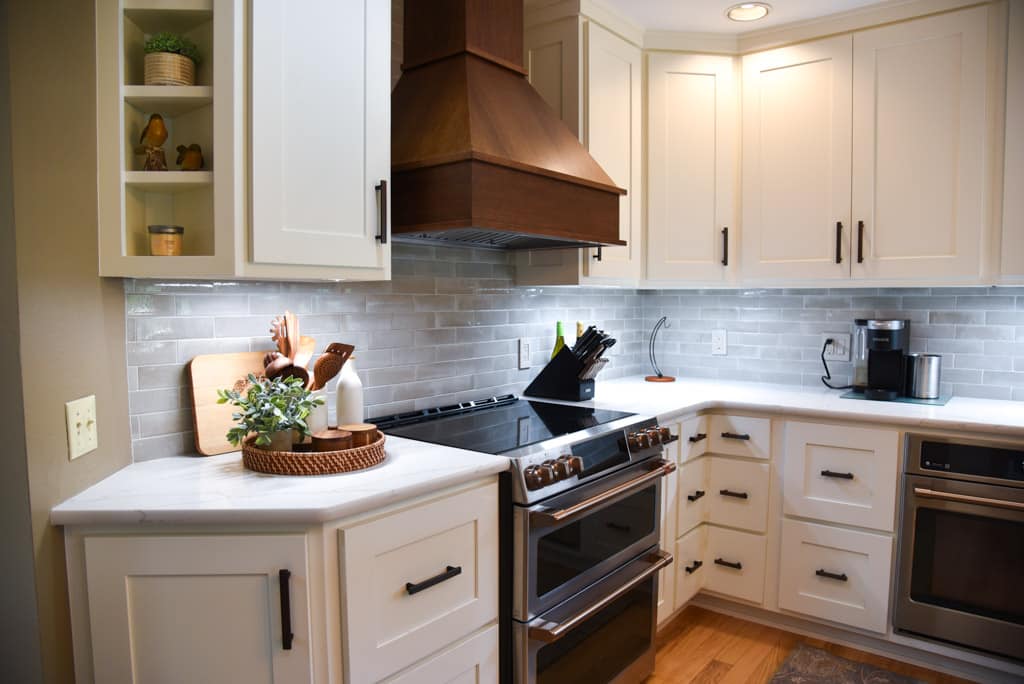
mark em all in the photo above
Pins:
pixel 477 156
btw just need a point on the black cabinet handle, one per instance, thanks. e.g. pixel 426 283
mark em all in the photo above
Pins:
pixel 417 587
pixel 696 495
pixel 839 242
pixel 735 495
pixel 382 188
pixel 690 569
pixel 860 242
pixel 831 575
pixel 286 609
pixel 728 564
pixel 841 476
pixel 598 255
pixel 725 246
pixel 700 436
pixel 736 435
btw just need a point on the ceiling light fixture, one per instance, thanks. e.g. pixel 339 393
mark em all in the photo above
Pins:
pixel 748 11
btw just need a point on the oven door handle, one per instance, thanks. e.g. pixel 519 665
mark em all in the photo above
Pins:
pixel 550 632
pixel 545 516
pixel 965 498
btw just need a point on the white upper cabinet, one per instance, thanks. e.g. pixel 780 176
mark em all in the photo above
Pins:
pixel 320 132
pixel 613 136
pixel 796 162
pixel 920 148
pixel 1013 173
pixel 592 78
pixel 692 136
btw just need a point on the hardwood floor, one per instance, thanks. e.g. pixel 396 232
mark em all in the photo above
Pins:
pixel 703 647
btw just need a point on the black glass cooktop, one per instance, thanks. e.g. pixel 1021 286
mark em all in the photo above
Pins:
pixel 495 426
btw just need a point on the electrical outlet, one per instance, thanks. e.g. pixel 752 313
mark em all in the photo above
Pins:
pixel 839 349
pixel 82 429
pixel 524 354
pixel 719 342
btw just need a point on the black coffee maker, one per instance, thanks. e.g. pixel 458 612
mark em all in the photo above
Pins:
pixel 883 344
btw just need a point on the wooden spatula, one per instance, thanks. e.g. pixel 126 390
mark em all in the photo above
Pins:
pixel 329 364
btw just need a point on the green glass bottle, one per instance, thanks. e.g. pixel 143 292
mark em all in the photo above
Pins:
pixel 559 339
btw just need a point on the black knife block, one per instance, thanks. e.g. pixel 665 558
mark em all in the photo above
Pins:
pixel 560 379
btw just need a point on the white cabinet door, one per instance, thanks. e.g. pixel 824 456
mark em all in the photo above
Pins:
pixel 693 131
pixel 919 147
pixel 740 436
pixel 692 498
pixel 613 137
pixel 471 661
pixel 320 131
pixel 738 493
pixel 666 578
pixel 1012 258
pixel 689 565
pixel 734 563
pixel 841 474
pixel 796 162
pixel 198 609
pixel 836 574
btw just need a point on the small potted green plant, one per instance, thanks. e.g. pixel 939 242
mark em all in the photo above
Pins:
pixel 275 411
pixel 171 60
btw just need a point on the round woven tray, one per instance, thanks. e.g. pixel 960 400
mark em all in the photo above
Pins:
pixel 312 462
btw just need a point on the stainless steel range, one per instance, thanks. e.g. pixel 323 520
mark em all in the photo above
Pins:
pixel 582 532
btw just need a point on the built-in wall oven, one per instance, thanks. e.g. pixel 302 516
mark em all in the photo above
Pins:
pixel 961 558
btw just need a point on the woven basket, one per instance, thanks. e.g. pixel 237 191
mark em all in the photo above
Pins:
pixel 312 462
pixel 168 68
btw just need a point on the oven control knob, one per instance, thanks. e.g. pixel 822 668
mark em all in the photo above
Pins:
pixel 573 464
pixel 654 435
pixel 560 467
pixel 666 435
pixel 639 440
pixel 546 474
pixel 532 477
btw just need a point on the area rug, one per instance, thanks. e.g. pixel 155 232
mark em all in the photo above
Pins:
pixel 806 664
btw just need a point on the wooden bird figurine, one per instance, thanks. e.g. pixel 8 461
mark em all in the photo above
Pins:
pixel 190 158
pixel 155 132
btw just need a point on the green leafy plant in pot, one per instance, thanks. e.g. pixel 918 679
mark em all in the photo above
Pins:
pixel 170 60
pixel 274 410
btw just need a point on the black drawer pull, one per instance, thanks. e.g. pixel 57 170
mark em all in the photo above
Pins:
pixel 841 476
pixel 700 436
pixel 831 575
pixel 736 435
pixel 735 495
pixel 286 610
pixel 696 495
pixel 728 564
pixel 417 587
pixel 690 569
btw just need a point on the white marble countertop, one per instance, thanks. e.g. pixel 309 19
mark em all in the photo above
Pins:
pixel 218 489
pixel 690 395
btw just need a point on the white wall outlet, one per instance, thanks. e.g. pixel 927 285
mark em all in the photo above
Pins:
pixel 839 349
pixel 524 354
pixel 83 433
pixel 719 342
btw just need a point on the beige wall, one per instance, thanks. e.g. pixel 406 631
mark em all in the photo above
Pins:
pixel 72 322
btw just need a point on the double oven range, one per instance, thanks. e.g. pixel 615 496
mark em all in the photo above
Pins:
pixel 580 532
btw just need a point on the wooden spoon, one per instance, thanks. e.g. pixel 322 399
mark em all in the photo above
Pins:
pixel 329 364
pixel 307 346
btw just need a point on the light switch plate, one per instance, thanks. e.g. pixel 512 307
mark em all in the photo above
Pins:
pixel 82 429
pixel 839 350
pixel 719 342
pixel 524 354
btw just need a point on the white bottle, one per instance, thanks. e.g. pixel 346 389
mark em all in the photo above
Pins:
pixel 350 395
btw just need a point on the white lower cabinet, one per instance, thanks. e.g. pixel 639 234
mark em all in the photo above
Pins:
pixel 471 661
pixel 690 564
pixel 836 574
pixel 198 609
pixel 740 436
pixel 738 493
pixel 735 563
pixel 666 578
pixel 692 496
pixel 413 580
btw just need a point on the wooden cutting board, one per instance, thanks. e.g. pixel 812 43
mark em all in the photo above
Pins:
pixel 209 373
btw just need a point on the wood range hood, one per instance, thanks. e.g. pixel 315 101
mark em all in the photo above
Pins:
pixel 477 157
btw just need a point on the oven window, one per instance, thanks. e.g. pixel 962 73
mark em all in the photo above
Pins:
pixel 604 645
pixel 568 551
pixel 969 563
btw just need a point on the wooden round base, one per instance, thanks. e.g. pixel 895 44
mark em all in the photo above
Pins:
pixel 660 378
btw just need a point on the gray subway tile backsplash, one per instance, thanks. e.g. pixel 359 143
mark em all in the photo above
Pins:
pixel 446 329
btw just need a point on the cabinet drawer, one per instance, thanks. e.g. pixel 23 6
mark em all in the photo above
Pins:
pixel 693 495
pixel 472 660
pixel 841 474
pixel 418 580
pixel 693 438
pixel 740 436
pixel 738 493
pixel 690 568
pixel 836 574
pixel 744 552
